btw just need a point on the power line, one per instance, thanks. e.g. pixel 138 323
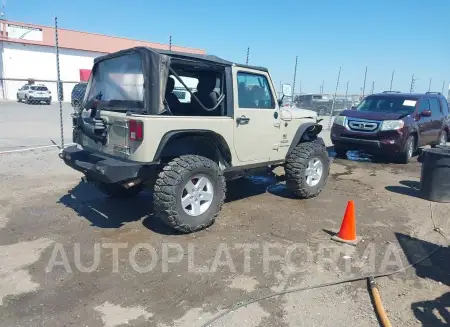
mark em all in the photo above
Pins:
pixel 392 80
pixel 295 75
pixel 248 54
pixel 364 85
pixel 413 83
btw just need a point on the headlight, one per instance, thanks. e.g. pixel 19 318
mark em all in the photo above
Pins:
pixel 390 125
pixel 339 120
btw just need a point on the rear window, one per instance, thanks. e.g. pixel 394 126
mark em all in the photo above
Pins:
pixel 389 104
pixel 39 88
pixel 118 79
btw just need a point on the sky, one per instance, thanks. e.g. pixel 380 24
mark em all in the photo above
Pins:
pixel 408 37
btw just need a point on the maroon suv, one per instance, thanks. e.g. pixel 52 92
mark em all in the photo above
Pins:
pixel 393 124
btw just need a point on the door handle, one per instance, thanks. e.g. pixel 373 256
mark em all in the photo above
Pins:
pixel 242 120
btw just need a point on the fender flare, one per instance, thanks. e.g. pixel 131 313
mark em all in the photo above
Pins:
pixel 307 132
pixel 217 139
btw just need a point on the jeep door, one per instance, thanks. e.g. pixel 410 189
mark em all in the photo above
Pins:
pixel 256 114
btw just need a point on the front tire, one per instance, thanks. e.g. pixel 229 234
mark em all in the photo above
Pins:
pixel 189 193
pixel 307 169
pixel 408 150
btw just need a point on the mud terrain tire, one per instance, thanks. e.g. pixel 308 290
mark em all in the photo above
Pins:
pixel 297 168
pixel 170 192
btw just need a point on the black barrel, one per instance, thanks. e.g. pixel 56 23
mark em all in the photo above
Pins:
pixel 435 175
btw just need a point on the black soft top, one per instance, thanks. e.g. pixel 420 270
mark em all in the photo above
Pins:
pixel 156 66
pixel 179 55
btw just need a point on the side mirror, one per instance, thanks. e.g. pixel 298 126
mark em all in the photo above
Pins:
pixel 286 90
pixel 426 113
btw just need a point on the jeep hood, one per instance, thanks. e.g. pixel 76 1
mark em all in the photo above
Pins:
pixel 297 113
pixel 372 115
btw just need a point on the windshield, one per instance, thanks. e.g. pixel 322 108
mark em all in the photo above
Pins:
pixel 389 104
pixel 119 82
pixel 39 88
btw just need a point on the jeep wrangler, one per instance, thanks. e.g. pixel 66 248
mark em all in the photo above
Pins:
pixel 133 132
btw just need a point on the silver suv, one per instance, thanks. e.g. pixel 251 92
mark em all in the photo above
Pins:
pixel 34 94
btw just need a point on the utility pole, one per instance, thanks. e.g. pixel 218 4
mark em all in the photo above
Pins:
pixel 334 98
pixel 300 87
pixel 248 53
pixel 295 76
pixel 346 95
pixel 413 82
pixel 373 87
pixel 429 85
pixel 392 80
pixel 170 42
pixel 364 85
pixel 443 87
pixel 321 87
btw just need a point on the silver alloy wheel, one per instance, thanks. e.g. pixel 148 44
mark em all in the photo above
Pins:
pixel 197 195
pixel 442 140
pixel 314 172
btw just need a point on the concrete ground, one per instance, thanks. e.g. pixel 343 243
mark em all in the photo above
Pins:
pixel 58 266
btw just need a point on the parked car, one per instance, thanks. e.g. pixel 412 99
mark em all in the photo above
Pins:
pixel 392 123
pixel 77 94
pixel 321 103
pixel 34 93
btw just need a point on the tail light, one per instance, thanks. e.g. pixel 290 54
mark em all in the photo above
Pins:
pixel 136 128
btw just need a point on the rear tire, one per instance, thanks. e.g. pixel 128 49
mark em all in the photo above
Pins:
pixel 443 137
pixel 118 191
pixel 302 167
pixel 189 193
pixel 408 150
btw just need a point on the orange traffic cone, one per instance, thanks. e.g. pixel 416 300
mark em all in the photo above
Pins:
pixel 347 233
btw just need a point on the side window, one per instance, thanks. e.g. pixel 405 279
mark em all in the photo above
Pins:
pixel 435 107
pixel 424 105
pixel 444 105
pixel 254 91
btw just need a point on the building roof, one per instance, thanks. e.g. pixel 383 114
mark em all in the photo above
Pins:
pixel 24 33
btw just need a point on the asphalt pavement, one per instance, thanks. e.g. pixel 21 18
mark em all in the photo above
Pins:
pixel 58 266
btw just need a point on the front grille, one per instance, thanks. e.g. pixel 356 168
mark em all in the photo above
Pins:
pixel 359 125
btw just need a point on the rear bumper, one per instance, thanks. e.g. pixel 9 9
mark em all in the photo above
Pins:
pixel 40 98
pixel 104 169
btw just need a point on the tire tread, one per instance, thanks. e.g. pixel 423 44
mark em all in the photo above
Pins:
pixel 164 195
